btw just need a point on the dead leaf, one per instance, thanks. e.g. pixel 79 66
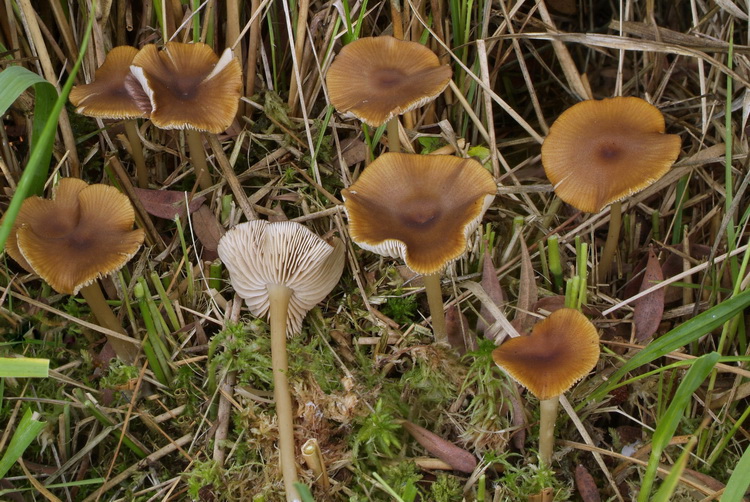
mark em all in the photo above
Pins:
pixel 491 286
pixel 167 203
pixel 457 327
pixel 545 495
pixel 527 293
pixel 458 458
pixel 586 485
pixel 208 230
pixel 518 438
pixel 648 310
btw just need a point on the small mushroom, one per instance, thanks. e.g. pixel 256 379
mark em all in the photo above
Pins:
pixel 190 87
pixel 599 152
pixel 109 97
pixel 84 233
pixel 561 350
pixel 281 270
pixel 379 78
pixel 421 209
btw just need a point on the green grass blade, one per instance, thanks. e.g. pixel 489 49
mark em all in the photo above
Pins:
pixel 669 422
pixel 38 166
pixel 24 367
pixel 28 429
pixel 678 337
pixel 739 481
pixel 669 485
pixel 13 81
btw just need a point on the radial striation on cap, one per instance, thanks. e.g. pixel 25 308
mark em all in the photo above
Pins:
pixel 109 96
pixel 599 152
pixel 420 208
pixel 84 233
pixel 377 78
pixel 189 86
pixel 561 350
pixel 258 254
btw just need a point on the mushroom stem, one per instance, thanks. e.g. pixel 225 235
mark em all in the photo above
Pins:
pixel 136 150
pixel 394 142
pixel 279 296
pixel 613 234
pixel 198 158
pixel 435 302
pixel 548 416
pixel 107 319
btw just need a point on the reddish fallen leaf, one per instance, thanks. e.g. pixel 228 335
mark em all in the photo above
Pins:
pixel 491 286
pixel 457 328
pixel 586 485
pixel 208 230
pixel 167 203
pixel 648 310
pixel 456 457
pixel 527 293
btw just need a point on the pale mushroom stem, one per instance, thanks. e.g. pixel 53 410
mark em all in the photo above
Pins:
pixel 610 245
pixel 548 416
pixel 198 158
pixel 279 296
pixel 136 147
pixel 394 142
pixel 107 319
pixel 435 302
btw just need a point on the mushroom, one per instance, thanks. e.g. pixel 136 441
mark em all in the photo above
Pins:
pixel 108 97
pixel 281 270
pixel 379 78
pixel 561 350
pixel 190 87
pixel 84 233
pixel 421 209
pixel 599 152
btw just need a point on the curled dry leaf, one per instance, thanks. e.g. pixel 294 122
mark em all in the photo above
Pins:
pixel 460 336
pixel 491 286
pixel 167 203
pixel 458 458
pixel 527 293
pixel 586 485
pixel 209 232
pixel 648 310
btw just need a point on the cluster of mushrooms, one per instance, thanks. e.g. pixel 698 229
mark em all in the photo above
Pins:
pixel 282 269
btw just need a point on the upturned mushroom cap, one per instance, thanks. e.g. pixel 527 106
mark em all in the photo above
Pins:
pixel 377 78
pixel 189 86
pixel 420 208
pixel 258 254
pixel 561 350
pixel 84 233
pixel 108 95
pixel 599 152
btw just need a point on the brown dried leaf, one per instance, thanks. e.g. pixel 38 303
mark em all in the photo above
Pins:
pixel 491 286
pixel 527 293
pixel 167 203
pixel 458 458
pixel 586 485
pixel 648 310
pixel 457 327
pixel 209 231
pixel 518 438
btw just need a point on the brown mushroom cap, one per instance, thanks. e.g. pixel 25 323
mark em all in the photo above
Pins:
pixel 377 78
pixel 561 350
pixel 599 152
pixel 420 208
pixel 189 86
pixel 84 233
pixel 108 96
pixel 258 254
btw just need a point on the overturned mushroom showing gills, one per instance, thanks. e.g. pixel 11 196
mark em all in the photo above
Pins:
pixel 561 350
pixel 109 97
pixel 84 233
pixel 281 270
pixel 190 87
pixel 422 209
pixel 379 78
pixel 599 152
